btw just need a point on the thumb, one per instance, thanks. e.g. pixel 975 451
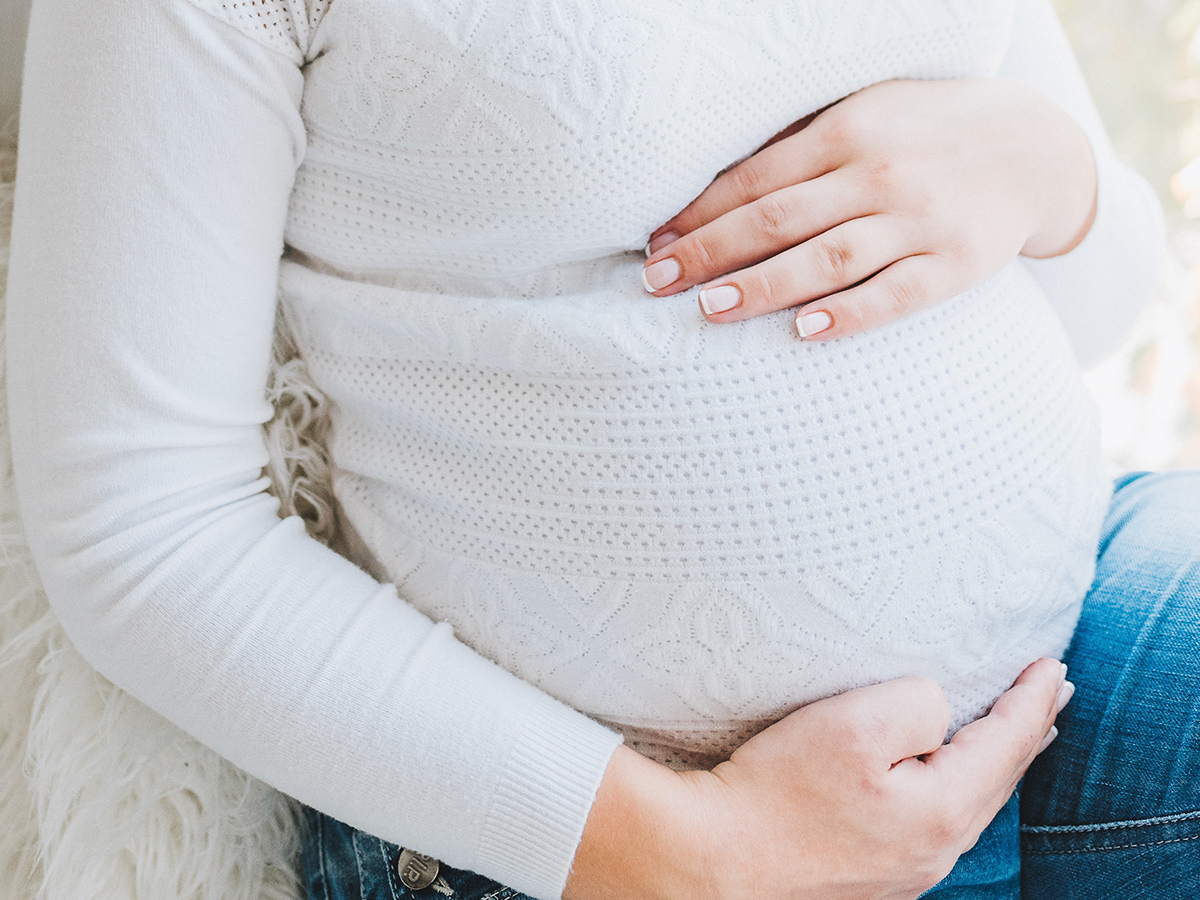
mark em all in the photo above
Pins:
pixel 989 756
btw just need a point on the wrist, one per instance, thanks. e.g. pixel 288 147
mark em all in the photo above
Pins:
pixel 1043 247
pixel 1068 193
pixel 642 839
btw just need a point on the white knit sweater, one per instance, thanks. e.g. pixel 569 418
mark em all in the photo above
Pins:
pixel 682 530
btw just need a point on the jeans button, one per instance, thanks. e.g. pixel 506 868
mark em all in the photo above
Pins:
pixel 416 870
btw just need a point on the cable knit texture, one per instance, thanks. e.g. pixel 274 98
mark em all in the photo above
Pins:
pixel 657 528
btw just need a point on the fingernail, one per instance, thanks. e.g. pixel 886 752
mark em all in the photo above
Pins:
pixel 720 299
pixel 1062 676
pixel 813 323
pixel 1065 693
pixel 656 244
pixel 1049 738
pixel 661 274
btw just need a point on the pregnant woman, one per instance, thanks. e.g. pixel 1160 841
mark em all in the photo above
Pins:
pixel 597 539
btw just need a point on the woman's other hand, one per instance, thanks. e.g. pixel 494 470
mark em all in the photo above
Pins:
pixel 851 798
pixel 898 197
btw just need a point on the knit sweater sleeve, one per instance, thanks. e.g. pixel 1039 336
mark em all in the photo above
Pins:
pixel 1099 287
pixel 158 148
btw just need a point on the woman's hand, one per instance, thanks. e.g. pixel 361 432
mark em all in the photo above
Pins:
pixel 850 798
pixel 900 196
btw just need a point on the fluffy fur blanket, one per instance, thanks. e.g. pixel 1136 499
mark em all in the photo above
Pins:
pixel 100 798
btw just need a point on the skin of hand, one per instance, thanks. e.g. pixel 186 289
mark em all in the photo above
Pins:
pixel 851 798
pixel 891 200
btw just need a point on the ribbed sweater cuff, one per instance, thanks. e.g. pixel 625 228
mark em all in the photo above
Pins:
pixel 542 802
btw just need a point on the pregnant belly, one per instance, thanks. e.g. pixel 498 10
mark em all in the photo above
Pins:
pixel 687 530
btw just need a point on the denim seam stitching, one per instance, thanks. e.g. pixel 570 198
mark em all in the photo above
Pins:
pixel 1109 826
pixel 358 861
pixel 1183 840
pixel 321 854
pixel 386 853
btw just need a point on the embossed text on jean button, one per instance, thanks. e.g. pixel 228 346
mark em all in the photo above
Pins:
pixel 416 870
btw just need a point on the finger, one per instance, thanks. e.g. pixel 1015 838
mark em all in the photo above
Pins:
pixel 826 264
pixel 796 159
pixel 989 756
pixel 756 231
pixel 907 285
pixel 977 771
pixel 887 722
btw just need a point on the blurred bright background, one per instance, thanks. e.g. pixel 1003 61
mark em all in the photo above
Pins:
pixel 1142 60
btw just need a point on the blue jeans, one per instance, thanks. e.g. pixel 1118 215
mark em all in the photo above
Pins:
pixel 1111 810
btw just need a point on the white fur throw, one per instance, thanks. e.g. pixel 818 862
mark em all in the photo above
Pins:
pixel 101 798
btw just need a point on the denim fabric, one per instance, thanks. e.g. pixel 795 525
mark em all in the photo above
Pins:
pixel 1111 810
pixel 343 863
pixel 991 870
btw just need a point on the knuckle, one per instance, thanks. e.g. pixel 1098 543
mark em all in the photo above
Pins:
pixel 841 733
pixel 747 180
pixel 834 261
pixel 931 854
pixel 958 243
pixel 940 838
pixel 945 829
pixel 773 216
pixel 879 174
pixel 766 289
pixel 865 737
pixel 871 788
pixel 699 255
pixel 928 206
pixel 935 693
pixel 844 128
pixel 900 296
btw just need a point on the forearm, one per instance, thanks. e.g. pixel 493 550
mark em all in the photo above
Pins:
pixel 158 149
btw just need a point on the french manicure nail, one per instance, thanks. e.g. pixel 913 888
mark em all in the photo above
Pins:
pixel 720 299
pixel 1062 676
pixel 813 323
pixel 656 244
pixel 1049 738
pixel 661 274
pixel 1065 693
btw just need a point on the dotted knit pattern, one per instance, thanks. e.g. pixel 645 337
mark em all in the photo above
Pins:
pixel 680 529
pixel 285 26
